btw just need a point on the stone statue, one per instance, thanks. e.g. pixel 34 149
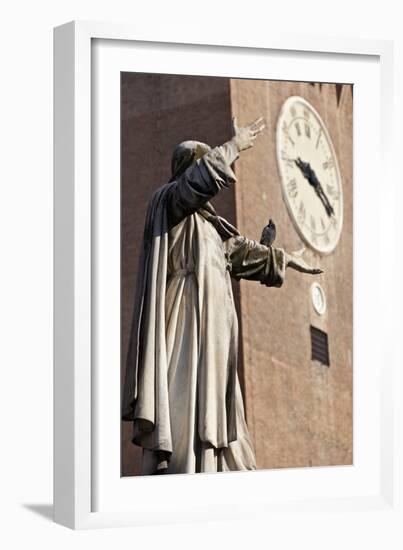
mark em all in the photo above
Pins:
pixel 181 389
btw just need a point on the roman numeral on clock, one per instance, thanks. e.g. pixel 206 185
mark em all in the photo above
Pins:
pixel 287 133
pixel 292 188
pixel 318 138
pixel 328 164
pixel 313 223
pixel 287 160
pixel 301 212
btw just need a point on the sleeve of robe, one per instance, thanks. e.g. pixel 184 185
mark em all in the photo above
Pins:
pixel 253 261
pixel 201 181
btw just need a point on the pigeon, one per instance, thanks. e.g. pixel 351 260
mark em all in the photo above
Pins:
pixel 268 234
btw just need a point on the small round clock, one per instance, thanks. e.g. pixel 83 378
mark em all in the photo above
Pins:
pixel 318 297
pixel 310 175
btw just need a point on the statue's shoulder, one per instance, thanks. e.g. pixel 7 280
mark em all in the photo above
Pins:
pixel 156 216
pixel 160 193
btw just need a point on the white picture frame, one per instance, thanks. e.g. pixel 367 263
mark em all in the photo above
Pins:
pixel 77 390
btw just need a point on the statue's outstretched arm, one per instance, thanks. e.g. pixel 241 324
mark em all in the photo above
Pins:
pixel 254 261
pixel 296 261
pixel 210 174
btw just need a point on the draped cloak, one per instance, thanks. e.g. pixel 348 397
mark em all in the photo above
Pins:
pixel 181 388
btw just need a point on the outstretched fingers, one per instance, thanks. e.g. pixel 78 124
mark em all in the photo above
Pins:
pixel 305 268
pixel 257 126
pixel 257 122
pixel 299 264
pixel 246 135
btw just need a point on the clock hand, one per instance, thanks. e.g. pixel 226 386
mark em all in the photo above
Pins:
pixel 303 166
pixel 329 208
pixel 312 178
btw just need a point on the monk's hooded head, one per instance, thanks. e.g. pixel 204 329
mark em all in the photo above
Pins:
pixel 185 154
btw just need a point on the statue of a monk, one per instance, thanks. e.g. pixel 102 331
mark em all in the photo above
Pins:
pixel 181 389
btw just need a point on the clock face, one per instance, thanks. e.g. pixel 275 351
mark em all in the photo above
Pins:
pixel 310 175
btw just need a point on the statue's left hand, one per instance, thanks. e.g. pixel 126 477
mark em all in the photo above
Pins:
pixel 296 261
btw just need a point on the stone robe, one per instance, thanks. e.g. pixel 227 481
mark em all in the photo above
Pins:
pixel 181 389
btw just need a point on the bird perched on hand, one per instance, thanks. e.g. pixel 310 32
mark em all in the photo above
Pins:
pixel 268 233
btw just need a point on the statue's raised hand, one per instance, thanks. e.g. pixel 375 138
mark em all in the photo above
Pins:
pixel 296 261
pixel 245 137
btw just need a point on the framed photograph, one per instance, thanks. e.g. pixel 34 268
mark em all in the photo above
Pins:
pixel 220 327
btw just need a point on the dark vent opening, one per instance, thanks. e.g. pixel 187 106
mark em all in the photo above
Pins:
pixel 320 346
